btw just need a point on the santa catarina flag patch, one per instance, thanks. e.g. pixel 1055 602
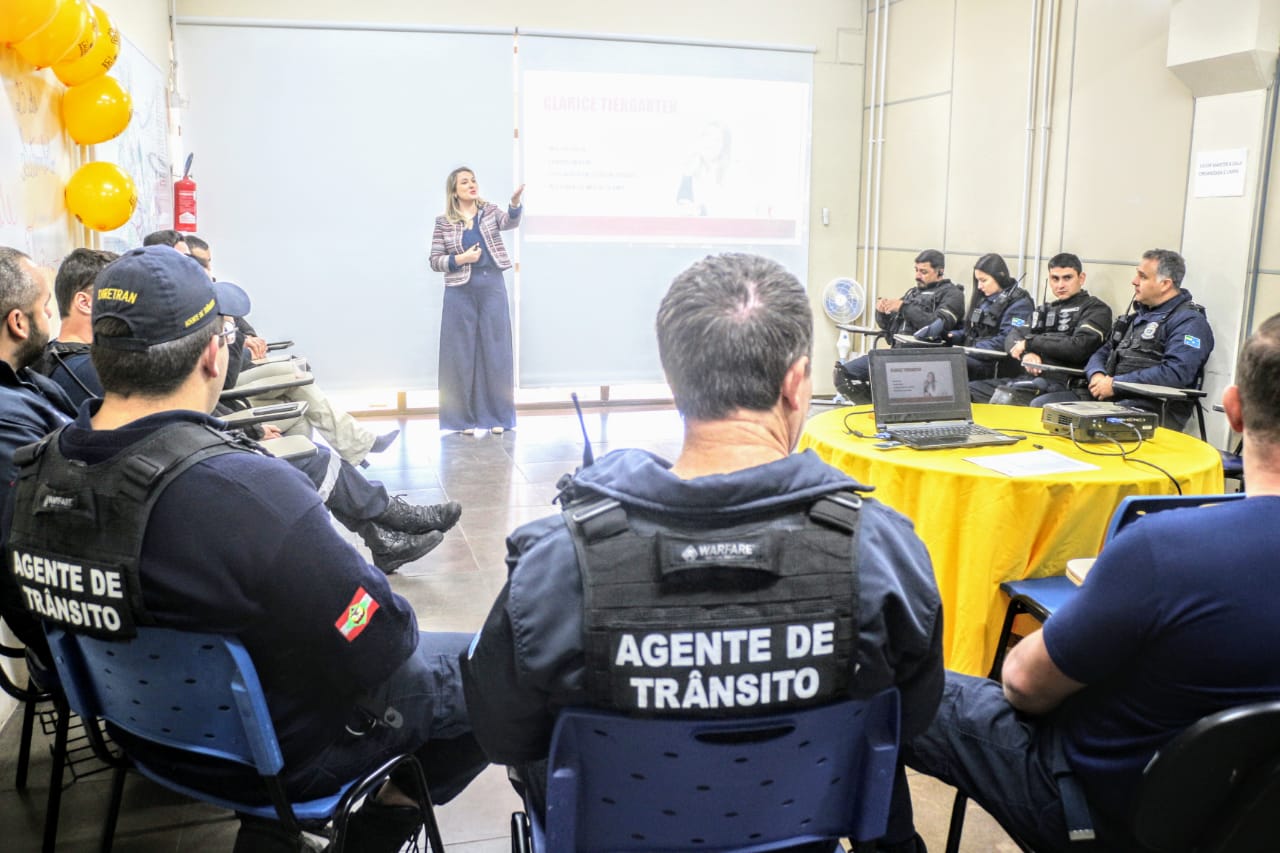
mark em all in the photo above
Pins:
pixel 355 618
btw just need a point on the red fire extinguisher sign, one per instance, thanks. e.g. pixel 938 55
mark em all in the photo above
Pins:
pixel 184 200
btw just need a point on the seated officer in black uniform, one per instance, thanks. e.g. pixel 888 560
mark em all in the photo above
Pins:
pixel 736 482
pixel 1064 332
pixel 927 311
pixel 395 531
pixel 30 405
pixel 204 532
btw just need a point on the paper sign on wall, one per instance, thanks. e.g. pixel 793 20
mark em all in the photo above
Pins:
pixel 1220 173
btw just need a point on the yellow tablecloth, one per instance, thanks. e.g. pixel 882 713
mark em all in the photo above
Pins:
pixel 983 528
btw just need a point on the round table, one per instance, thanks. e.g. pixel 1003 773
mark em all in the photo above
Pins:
pixel 983 528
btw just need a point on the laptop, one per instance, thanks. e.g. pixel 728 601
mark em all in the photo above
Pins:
pixel 921 398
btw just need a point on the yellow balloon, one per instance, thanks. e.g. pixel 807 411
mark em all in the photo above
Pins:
pixel 102 196
pixel 98 59
pixel 59 37
pixel 22 18
pixel 96 111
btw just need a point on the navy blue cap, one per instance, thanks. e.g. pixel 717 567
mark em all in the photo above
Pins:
pixel 162 295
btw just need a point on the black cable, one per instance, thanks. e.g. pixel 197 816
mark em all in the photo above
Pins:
pixel 1158 468
pixel 850 431
pixel 57 356
pixel 1124 453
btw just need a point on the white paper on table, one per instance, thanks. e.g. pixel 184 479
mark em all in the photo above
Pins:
pixel 1033 463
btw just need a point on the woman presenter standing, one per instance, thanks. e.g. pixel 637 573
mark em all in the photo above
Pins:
pixel 477 378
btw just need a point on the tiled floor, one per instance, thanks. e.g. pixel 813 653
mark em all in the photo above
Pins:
pixel 502 481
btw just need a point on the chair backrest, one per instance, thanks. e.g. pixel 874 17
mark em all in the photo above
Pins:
pixel 619 783
pixel 186 690
pixel 1134 507
pixel 1215 788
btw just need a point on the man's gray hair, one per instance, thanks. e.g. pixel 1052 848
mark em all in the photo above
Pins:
pixel 1169 264
pixel 728 330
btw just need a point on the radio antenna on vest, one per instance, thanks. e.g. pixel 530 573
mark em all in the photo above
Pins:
pixel 587 457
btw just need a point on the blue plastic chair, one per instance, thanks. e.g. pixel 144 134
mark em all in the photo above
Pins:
pixel 1042 597
pixel 620 783
pixel 199 693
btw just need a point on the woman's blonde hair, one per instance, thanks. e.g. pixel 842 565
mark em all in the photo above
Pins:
pixel 451 211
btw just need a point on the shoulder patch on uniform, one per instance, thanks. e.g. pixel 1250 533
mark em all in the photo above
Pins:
pixel 356 616
pixel 1018 321
pixel 1191 341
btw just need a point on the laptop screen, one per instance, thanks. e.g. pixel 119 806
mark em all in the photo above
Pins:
pixel 911 384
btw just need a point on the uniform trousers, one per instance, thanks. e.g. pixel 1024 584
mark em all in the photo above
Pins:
pixel 343 432
pixel 1008 762
pixel 427 692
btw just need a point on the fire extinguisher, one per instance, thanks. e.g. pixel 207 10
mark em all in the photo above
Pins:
pixel 184 200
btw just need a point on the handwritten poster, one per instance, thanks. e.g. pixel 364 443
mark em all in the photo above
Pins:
pixel 142 150
pixel 35 162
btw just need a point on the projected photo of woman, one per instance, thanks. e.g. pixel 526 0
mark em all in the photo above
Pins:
pixel 704 182
pixel 477 377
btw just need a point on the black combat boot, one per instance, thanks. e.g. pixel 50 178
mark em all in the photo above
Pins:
pixel 412 518
pixel 377 828
pixel 393 548
pixel 855 392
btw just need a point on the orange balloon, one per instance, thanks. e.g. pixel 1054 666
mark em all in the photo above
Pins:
pixel 23 18
pixel 60 36
pixel 102 196
pixel 96 111
pixel 100 56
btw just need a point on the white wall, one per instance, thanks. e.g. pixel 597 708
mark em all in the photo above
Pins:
pixel 1122 128
pixel 834 27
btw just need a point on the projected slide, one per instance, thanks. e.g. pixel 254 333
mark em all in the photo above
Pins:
pixel 920 381
pixel 669 159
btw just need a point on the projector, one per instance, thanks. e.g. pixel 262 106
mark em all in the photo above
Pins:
pixel 1094 421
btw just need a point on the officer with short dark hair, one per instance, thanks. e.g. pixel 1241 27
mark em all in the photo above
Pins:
pixel 195 529
pixel 1064 332
pixel 738 538
pixel 927 311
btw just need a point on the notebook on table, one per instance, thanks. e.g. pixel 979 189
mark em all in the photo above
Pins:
pixel 921 398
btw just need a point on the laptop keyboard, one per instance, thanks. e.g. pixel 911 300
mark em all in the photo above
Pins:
pixel 950 431
pixel 947 435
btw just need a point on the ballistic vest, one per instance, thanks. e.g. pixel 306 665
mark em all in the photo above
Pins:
pixel 1062 316
pixel 984 322
pixel 77 529
pixel 729 621
pixel 55 353
pixel 920 306
pixel 1135 346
